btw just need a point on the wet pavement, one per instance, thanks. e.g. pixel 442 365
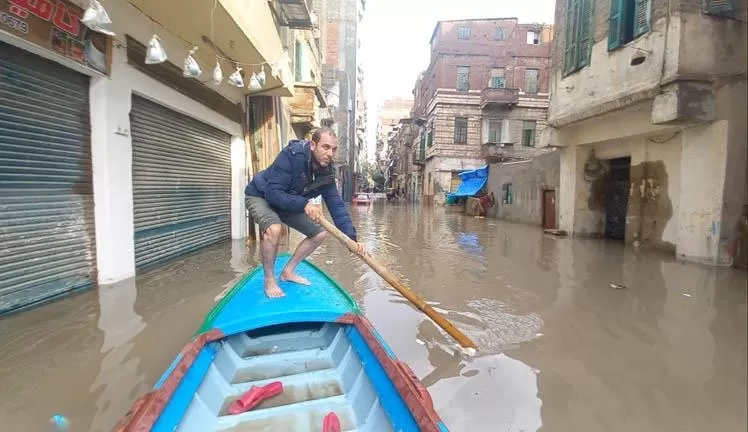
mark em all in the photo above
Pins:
pixel 561 349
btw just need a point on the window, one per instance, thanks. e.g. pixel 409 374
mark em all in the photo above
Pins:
pixel 528 133
pixel 629 19
pixel 533 38
pixel 463 33
pixel 499 34
pixel 497 78
pixel 508 198
pixel 461 128
pixel 531 81
pixel 463 78
pixel 430 138
pixel 494 131
pixel 298 61
pixel 721 8
pixel 578 35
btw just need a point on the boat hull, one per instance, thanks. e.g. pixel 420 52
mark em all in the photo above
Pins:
pixel 339 365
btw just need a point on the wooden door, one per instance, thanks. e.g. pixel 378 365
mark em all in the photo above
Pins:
pixel 549 209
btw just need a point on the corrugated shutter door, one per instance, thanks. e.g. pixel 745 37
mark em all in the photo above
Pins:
pixel 47 245
pixel 182 183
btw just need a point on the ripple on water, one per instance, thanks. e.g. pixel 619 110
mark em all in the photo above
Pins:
pixel 494 328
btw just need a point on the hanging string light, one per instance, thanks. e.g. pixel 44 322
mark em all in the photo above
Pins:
pixel 96 18
pixel 191 67
pixel 155 53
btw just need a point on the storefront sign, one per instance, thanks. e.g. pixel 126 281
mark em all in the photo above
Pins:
pixel 55 25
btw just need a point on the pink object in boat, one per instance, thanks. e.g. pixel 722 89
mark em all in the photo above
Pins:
pixel 331 423
pixel 254 396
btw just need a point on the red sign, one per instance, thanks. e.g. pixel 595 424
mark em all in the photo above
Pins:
pixel 56 25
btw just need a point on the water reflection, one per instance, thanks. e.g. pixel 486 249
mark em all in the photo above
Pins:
pixel 668 352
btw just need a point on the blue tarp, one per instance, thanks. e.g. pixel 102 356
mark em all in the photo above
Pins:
pixel 472 182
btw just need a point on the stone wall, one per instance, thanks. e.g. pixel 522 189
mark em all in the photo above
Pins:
pixel 529 179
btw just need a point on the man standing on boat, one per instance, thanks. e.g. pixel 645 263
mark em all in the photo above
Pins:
pixel 281 194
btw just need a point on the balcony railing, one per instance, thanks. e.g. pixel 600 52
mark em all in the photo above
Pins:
pixel 293 13
pixel 498 97
pixel 419 156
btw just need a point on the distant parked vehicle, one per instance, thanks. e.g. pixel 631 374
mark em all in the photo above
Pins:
pixel 361 199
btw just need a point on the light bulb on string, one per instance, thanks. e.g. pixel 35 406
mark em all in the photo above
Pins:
pixel 96 18
pixel 217 74
pixel 254 82
pixel 155 53
pixel 235 79
pixel 191 67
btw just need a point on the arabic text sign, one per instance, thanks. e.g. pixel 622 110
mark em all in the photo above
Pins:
pixel 55 25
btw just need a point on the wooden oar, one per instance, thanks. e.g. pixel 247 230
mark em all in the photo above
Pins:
pixel 396 283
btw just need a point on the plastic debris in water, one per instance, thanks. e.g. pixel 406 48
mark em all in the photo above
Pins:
pixel 687 295
pixel 328 262
pixel 616 286
pixel 60 423
pixel 420 342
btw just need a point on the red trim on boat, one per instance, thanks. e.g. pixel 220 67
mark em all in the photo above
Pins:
pixel 348 318
pixel 411 389
pixel 146 410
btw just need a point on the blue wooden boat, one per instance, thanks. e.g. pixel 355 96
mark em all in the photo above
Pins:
pixel 315 341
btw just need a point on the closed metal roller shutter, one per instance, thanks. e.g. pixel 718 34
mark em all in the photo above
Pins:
pixel 47 245
pixel 182 183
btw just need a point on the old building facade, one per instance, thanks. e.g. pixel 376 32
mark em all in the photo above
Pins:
pixel 649 109
pixel 484 95
pixel 339 41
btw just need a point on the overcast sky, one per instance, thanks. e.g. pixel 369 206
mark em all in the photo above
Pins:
pixel 395 40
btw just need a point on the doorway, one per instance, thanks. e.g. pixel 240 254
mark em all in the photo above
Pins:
pixel 549 209
pixel 617 198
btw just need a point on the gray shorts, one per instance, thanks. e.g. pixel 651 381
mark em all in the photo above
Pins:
pixel 264 215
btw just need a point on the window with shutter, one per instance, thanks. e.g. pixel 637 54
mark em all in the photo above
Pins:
pixel 298 62
pixel 494 131
pixel 463 78
pixel 461 129
pixel 629 19
pixel 721 8
pixel 497 78
pixel 531 81
pixel 578 43
pixel 641 17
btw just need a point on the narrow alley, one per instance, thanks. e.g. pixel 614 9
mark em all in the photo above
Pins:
pixel 574 334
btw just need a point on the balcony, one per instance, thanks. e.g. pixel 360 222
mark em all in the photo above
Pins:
pixel 498 97
pixel 419 156
pixel 305 104
pixel 293 14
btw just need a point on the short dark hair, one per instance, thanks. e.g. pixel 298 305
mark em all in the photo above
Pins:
pixel 324 130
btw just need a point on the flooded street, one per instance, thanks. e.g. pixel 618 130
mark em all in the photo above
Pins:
pixel 561 349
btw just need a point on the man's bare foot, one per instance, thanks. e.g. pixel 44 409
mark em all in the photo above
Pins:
pixel 293 277
pixel 272 290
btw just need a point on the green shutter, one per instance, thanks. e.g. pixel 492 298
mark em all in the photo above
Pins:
pixel 641 17
pixel 721 8
pixel 570 44
pixel 615 25
pixel 584 46
pixel 297 61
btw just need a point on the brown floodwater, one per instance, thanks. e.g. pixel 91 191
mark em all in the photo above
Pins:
pixel 561 349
